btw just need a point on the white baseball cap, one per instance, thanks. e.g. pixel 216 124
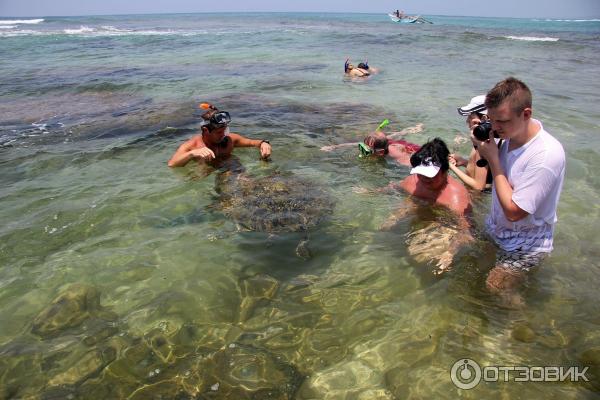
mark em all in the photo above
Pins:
pixel 426 168
pixel 477 104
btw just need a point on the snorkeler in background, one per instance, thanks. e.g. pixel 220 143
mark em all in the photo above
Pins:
pixel 361 70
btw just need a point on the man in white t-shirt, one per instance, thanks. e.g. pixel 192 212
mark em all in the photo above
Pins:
pixel 528 172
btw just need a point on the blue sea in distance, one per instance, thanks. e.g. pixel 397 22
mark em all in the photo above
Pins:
pixel 122 278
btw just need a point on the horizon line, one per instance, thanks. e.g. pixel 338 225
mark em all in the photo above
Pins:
pixel 287 12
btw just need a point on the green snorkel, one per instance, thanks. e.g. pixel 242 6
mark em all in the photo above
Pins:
pixel 365 150
pixel 383 124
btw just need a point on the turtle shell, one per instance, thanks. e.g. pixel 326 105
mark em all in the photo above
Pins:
pixel 272 203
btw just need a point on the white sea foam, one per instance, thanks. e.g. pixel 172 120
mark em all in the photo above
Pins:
pixel 82 29
pixel 23 32
pixel 21 21
pixel 533 38
pixel 110 28
pixel 105 30
pixel 572 20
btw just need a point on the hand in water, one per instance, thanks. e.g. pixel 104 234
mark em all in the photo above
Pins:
pixel 444 263
pixel 203 153
pixel 360 190
pixel 265 150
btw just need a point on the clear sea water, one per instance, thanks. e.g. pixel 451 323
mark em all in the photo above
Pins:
pixel 91 108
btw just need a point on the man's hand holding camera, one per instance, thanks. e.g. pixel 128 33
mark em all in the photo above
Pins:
pixel 482 137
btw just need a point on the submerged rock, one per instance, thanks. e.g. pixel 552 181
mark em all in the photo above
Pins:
pixel 523 333
pixel 348 380
pixel 246 372
pixel 591 357
pixel 254 290
pixel 88 365
pixel 71 308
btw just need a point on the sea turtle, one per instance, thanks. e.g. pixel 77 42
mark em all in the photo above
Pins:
pixel 274 203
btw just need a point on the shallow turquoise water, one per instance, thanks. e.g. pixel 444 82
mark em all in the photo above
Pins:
pixel 87 199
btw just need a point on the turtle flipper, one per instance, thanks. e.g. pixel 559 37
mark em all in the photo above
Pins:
pixel 303 251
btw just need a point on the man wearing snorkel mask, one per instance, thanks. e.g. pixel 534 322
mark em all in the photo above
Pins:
pixel 215 140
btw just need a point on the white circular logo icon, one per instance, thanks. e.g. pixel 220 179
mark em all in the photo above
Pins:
pixel 465 373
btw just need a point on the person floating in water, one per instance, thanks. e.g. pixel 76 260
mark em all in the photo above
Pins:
pixel 380 143
pixel 215 141
pixel 361 70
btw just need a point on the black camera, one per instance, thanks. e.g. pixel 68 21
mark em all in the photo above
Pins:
pixel 482 131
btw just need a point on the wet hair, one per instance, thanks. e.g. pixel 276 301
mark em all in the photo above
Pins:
pixel 512 90
pixel 363 66
pixel 436 150
pixel 377 140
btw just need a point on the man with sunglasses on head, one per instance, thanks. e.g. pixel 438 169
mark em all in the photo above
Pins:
pixel 215 141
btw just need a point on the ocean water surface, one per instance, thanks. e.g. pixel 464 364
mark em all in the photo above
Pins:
pixel 122 278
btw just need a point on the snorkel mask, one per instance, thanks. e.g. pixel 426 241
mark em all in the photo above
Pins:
pixel 217 119
pixel 364 150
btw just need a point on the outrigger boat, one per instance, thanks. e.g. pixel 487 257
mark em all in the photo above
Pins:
pixel 409 19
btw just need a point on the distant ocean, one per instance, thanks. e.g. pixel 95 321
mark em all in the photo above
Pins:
pixel 122 278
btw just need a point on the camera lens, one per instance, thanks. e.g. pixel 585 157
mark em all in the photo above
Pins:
pixel 482 131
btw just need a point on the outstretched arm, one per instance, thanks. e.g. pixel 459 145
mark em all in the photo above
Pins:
pixel 337 146
pixel 477 182
pixel 411 129
pixel 241 141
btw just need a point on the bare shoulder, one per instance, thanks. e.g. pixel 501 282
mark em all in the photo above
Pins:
pixel 193 142
pixel 457 197
pixel 457 187
pixel 409 183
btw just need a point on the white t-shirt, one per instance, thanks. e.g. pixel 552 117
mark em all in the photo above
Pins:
pixel 536 172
